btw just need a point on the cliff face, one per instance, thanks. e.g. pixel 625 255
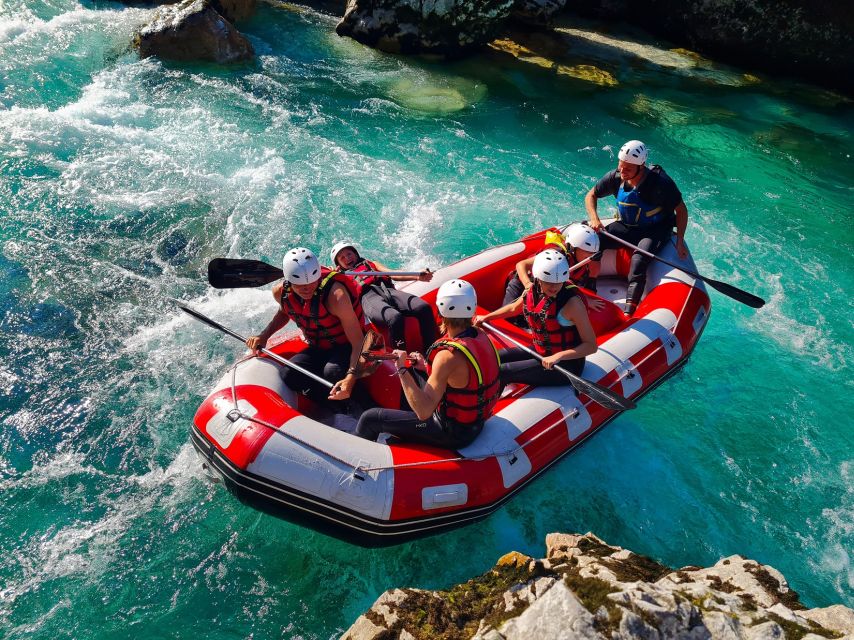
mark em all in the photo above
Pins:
pixel 585 588
pixel 810 40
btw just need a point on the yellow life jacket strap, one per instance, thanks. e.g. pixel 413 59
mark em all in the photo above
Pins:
pixel 556 237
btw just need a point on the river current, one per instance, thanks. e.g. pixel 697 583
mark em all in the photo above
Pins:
pixel 121 178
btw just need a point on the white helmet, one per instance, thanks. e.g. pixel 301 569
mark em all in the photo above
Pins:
pixel 633 152
pixel 456 299
pixel 338 248
pixel 551 266
pixel 581 236
pixel 300 266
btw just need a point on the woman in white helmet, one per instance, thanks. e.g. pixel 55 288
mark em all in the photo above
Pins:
pixel 649 203
pixel 560 327
pixel 384 305
pixel 325 305
pixel 453 390
pixel 577 242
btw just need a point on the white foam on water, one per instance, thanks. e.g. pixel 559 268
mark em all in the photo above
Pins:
pixel 837 544
pixel 806 340
pixel 56 469
pixel 90 548
pixel 30 41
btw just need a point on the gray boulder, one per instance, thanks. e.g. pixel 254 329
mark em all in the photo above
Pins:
pixel 586 589
pixel 235 10
pixel 192 30
pixel 446 28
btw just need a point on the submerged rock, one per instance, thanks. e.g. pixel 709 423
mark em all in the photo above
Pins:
pixel 585 588
pixel 811 40
pixel 446 28
pixel 192 30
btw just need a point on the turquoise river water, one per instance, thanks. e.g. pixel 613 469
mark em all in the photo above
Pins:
pixel 121 178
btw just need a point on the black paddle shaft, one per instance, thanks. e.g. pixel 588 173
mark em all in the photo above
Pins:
pixel 596 392
pixel 727 289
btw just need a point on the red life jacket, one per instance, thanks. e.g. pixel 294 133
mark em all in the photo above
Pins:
pixel 366 281
pixel 541 314
pixel 579 275
pixel 473 404
pixel 320 327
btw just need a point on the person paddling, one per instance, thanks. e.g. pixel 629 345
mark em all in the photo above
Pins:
pixel 384 305
pixel 325 306
pixel 450 407
pixel 649 203
pixel 560 326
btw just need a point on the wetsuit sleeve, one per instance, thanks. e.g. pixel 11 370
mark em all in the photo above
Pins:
pixel 608 185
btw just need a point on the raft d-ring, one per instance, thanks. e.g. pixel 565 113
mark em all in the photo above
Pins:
pixel 358 474
pixel 234 415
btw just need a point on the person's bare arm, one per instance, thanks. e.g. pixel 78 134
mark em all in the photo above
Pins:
pixel 590 201
pixel 512 309
pixel 522 269
pixel 279 320
pixel 341 306
pixel 424 401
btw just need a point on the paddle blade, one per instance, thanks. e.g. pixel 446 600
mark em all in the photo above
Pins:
pixel 234 273
pixel 602 395
pixel 736 294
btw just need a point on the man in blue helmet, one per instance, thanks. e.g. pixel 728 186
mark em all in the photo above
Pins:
pixel 650 204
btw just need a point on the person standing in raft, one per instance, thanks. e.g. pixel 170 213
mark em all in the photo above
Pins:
pixel 462 385
pixel 325 306
pixel 649 203
pixel 560 326
pixel 578 242
pixel 384 305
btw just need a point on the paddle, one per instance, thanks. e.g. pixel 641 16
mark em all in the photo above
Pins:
pixel 596 392
pixel 277 358
pixel 236 273
pixel 727 289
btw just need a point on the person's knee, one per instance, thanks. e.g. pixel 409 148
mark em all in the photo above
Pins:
pixel 366 427
pixel 394 320
pixel 421 309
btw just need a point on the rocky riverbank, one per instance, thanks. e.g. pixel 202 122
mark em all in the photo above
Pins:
pixel 783 39
pixel 586 588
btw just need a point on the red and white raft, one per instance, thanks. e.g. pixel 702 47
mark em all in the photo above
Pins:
pixel 269 450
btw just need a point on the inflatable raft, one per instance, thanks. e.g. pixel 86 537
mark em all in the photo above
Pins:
pixel 275 451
